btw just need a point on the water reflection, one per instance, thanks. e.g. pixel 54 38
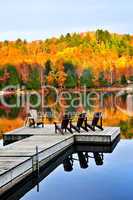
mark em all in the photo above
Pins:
pixel 111 180
pixel 68 164
pixel 80 154
pixel 83 158
pixel 117 109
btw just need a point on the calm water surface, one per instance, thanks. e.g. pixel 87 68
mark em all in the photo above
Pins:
pixel 117 109
pixel 112 179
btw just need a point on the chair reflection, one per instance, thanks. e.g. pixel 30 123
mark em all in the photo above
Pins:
pixel 98 158
pixel 68 164
pixel 82 154
pixel 83 159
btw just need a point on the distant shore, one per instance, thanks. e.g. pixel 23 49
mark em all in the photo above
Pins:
pixel 103 89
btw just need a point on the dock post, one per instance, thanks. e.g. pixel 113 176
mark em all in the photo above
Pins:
pixel 37 167
pixel 37 160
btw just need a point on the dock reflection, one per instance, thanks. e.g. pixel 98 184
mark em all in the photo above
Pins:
pixel 83 154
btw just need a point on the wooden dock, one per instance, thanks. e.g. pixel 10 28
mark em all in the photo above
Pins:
pixel 20 158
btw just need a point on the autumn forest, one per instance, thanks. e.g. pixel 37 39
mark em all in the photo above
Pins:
pixel 91 59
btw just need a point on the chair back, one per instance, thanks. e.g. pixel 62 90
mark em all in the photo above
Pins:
pixel 65 121
pixel 97 116
pixel 33 114
pixel 81 119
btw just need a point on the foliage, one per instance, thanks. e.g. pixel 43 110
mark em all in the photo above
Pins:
pixel 71 80
pixel 14 78
pixel 34 79
pixel 131 78
pixel 86 78
pixel 48 67
pixel 101 79
pixel 103 36
pixel 123 80
pixel 67 56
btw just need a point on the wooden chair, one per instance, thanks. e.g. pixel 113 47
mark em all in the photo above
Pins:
pixel 64 125
pixel 80 123
pixel 34 119
pixel 97 118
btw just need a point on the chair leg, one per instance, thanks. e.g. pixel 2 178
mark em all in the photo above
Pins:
pixel 101 128
pixel 55 127
pixel 34 123
pixel 91 127
pixel 70 130
pixel 34 126
pixel 85 128
pixel 75 128
pixel 55 130
pixel 60 130
pixel 31 123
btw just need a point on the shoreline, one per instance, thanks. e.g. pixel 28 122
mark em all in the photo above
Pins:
pixel 102 89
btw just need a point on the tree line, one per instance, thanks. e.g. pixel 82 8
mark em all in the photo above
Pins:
pixel 93 59
pixel 67 77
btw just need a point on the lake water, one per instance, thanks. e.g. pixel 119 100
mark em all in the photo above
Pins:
pixel 83 173
pixel 117 109
pixel 90 174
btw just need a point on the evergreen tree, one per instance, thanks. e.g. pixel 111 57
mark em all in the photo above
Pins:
pixel 14 78
pixel 101 79
pixel 48 67
pixel 47 70
pixel 87 78
pixel 71 80
pixel 131 78
pixel 123 80
pixel 34 79
pixel 1 76
pixel 103 36
pixel 68 66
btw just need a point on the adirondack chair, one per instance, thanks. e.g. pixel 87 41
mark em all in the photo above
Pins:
pixel 34 119
pixel 64 125
pixel 96 122
pixel 80 123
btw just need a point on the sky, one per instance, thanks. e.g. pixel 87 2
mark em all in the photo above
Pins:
pixel 40 19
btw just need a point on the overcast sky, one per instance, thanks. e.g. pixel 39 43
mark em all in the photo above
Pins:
pixel 39 19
